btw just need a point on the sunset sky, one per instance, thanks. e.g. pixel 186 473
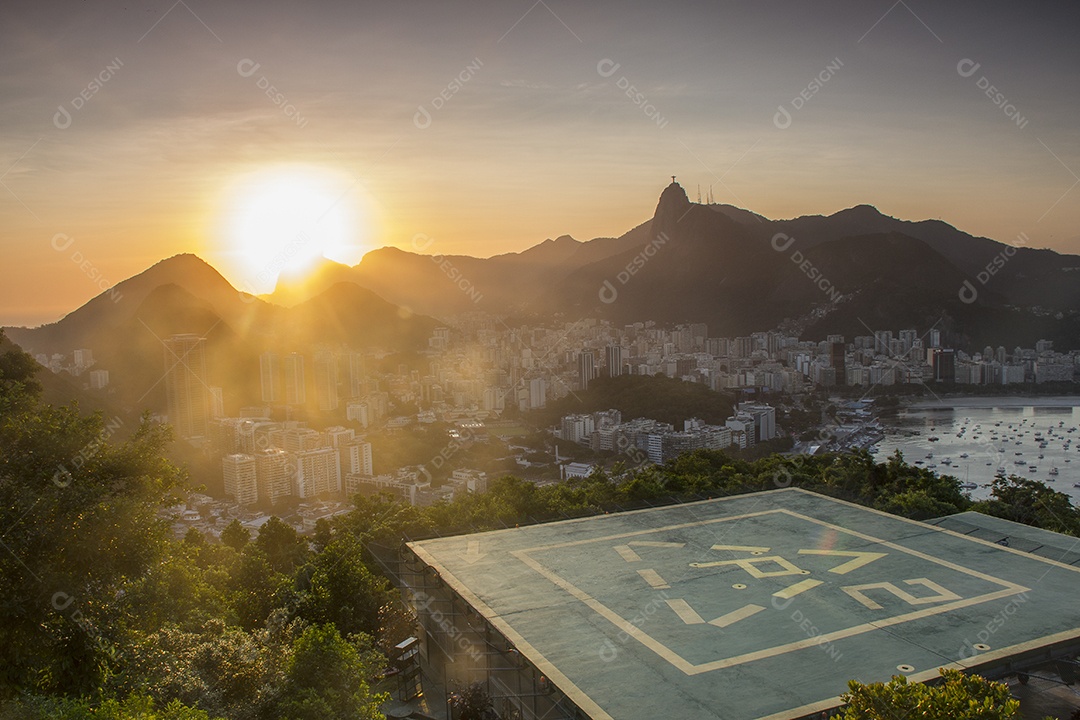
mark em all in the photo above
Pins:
pixel 134 131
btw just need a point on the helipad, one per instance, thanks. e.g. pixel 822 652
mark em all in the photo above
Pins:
pixel 758 606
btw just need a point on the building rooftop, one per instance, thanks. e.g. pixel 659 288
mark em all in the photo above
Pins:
pixel 758 606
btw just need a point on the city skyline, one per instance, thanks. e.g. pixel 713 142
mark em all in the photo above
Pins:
pixel 490 129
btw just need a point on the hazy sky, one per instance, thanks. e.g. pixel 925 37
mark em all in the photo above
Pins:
pixel 130 130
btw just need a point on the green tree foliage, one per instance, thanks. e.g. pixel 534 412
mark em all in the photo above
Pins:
pixel 327 677
pixel 1032 503
pixel 666 399
pixel 134 707
pixel 225 670
pixel 892 486
pixel 177 590
pixel 19 388
pixel 104 615
pixel 385 519
pixel 472 702
pixel 235 535
pixel 338 588
pixel 81 519
pixel 255 589
pixel 284 548
pixel 956 697
pixel 324 532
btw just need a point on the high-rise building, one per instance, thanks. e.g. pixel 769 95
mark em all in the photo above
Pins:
pixel 944 365
pixel 338 436
pixel 326 381
pixel 217 402
pixel 317 472
pixel 586 368
pixel 83 359
pixel 240 478
pixel 764 419
pixel 838 355
pixel 356 458
pixel 577 428
pixel 683 338
pixel 613 357
pixel 882 339
pixel 297 439
pixel 357 411
pixel 99 379
pixel 186 390
pixel 295 387
pixel 700 333
pixel 907 339
pixel 537 393
pixel 270 378
pixel 356 375
pixel 273 471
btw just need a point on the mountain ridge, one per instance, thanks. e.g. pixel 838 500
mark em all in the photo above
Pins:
pixel 731 268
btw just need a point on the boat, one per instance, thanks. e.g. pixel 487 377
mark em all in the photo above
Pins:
pixel 933 438
pixel 1054 470
pixel 968 486
pixel 963 455
pixel 1020 462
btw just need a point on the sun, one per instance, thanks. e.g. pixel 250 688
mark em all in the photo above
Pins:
pixel 282 220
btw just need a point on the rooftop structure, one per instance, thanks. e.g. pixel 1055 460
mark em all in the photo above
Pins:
pixel 756 606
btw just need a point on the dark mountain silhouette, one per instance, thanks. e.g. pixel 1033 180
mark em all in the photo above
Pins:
pixel 1026 276
pixel 81 327
pixel 126 328
pixel 740 272
pixel 346 313
pixel 721 265
pixel 292 289
pixel 62 389
pixel 440 285
pixel 736 270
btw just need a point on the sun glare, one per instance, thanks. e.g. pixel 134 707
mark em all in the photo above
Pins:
pixel 280 221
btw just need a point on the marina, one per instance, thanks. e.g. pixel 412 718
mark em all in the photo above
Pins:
pixel 979 438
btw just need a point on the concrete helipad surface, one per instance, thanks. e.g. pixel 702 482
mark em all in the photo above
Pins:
pixel 758 606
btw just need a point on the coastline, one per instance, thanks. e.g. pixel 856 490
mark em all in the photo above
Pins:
pixel 1009 401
